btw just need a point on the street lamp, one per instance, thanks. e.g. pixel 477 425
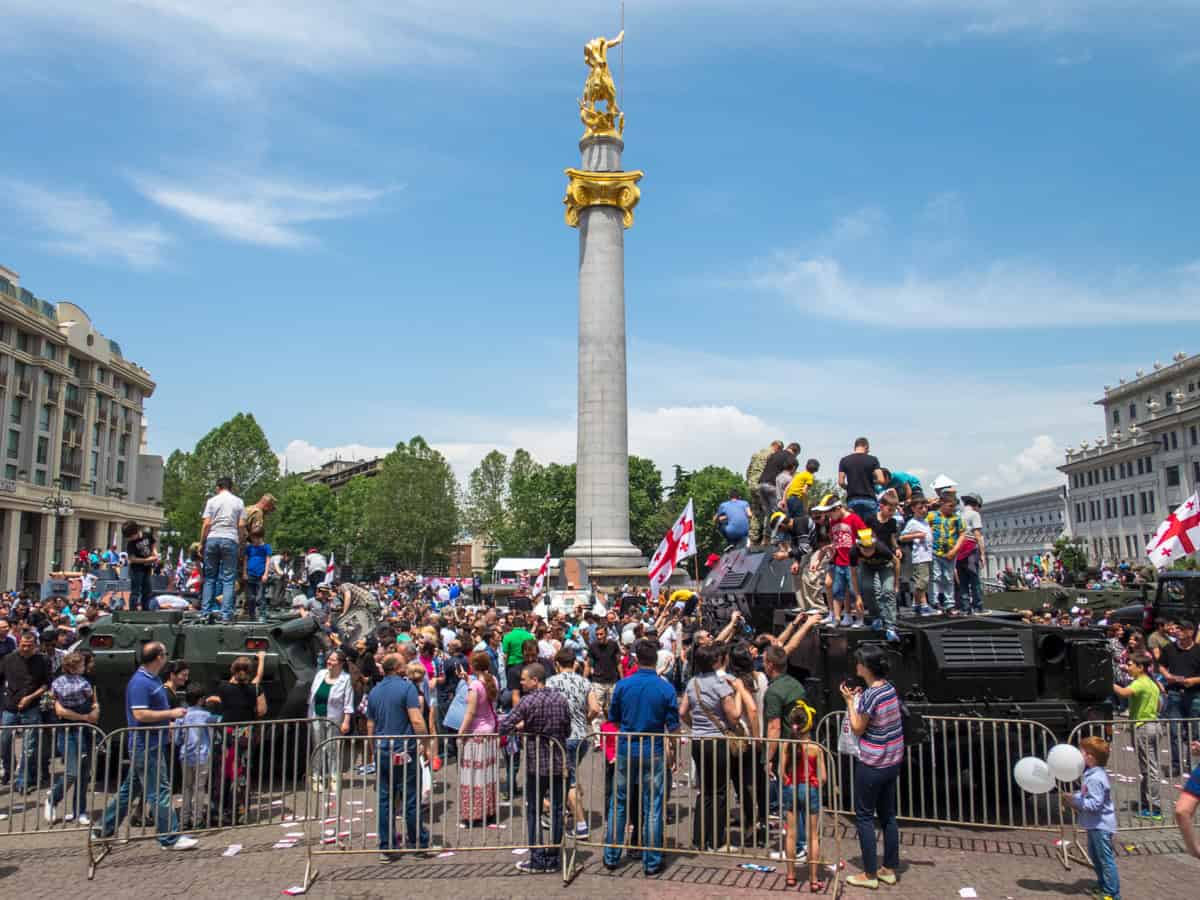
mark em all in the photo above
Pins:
pixel 58 503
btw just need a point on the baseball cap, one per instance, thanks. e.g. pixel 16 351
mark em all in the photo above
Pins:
pixel 300 602
pixel 828 502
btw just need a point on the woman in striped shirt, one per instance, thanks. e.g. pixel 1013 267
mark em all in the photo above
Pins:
pixel 874 715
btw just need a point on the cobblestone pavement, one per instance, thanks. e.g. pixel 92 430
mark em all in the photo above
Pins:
pixel 938 862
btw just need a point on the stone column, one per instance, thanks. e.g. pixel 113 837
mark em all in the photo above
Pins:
pixel 12 549
pixel 600 201
pixel 45 554
pixel 70 541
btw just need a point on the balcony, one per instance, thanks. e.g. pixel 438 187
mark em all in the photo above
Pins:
pixel 102 415
pixel 24 386
pixel 72 438
pixel 53 395
pixel 127 427
pixel 4 378
pixel 72 464
pixel 74 404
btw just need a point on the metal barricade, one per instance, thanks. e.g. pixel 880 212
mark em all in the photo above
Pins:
pixel 501 793
pixel 48 774
pixel 648 794
pixel 1147 766
pixel 962 774
pixel 226 776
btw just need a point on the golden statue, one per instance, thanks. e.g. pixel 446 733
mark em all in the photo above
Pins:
pixel 610 121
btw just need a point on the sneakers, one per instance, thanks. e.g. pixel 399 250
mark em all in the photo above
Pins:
pixel 858 623
pixel 529 868
pixel 1149 815
pixel 846 620
pixel 886 876
pixel 829 621
pixel 892 636
pixel 48 810
pixel 862 881
pixel 182 843
pixel 925 610
pixel 82 819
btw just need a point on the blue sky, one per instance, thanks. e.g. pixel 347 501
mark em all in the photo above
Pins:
pixel 941 223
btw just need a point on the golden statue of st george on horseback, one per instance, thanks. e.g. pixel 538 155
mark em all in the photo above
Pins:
pixel 598 88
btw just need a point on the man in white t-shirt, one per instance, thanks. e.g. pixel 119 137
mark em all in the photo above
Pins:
pixel 220 536
pixel 315 569
pixel 919 537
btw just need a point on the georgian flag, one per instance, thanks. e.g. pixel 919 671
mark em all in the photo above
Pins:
pixel 1177 537
pixel 678 544
pixel 540 583
pixel 329 570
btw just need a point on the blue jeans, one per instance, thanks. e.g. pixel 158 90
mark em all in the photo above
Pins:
pixel 841 583
pixel 878 587
pixel 941 592
pixel 875 792
pixel 25 770
pixel 140 587
pixel 150 773
pixel 1182 733
pixel 399 780
pixel 1104 861
pixel 863 507
pixel 76 768
pixel 645 775
pixel 806 800
pixel 734 540
pixel 969 594
pixel 256 597
pixel 220 566
pixel 576 751
pixel 540 787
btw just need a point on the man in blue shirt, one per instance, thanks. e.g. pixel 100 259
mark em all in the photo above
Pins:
pixel 393 718
pixel 733 519
pixel 642 704
pixel 147 713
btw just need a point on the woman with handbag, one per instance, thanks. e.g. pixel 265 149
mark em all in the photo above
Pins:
pixel 712 709
pixel 875 719
pixel 478 771
pixel 331 709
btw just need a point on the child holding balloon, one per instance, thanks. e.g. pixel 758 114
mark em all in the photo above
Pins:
pixel 1094 805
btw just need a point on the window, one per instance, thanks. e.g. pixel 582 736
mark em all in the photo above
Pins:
pixel 120 471
pixel 20 369
pixel 10 472
pixel 1194 435
pixel 1116 417
pixel 43 451
pixel 1196 471
pixel 123 447
pixel 1149 464
pixel 15 410
pixel 70 484
pixel 50 351
pixel 73 365
pixel 1169 398
pixel 39 477
pixel 1132 412
pixel 70 422
pixel 22 341
pixel 102 375
pixel 1172 476
pixel 95 434
pixel 14 443
pixel 1174 440
pixel 44 417
pixel 4 334
pixel 1139 464
pixel 1150 497
pixel 1104 475
pixel 1112 473
pixel 95 463
pixel 1124 505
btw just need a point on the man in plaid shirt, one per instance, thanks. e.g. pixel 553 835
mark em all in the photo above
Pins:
pixel 544 717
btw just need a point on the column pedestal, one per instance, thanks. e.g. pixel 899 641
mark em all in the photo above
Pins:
pixel 600 201
pixel 45 558
pixel 12 550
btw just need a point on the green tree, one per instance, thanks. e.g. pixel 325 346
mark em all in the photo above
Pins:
pixel 350 534
pixel 708 488
pixel 304 517
pixel 236 449
pixel 413 507
pixel 541 507
pixel 485 504
pixel 645 502
pixel 1072 553
pixel 183 499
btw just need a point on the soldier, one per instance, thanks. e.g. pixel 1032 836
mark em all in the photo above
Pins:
pixel 754 471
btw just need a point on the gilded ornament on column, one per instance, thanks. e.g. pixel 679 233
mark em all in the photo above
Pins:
pixel 586 189
pixel 599 88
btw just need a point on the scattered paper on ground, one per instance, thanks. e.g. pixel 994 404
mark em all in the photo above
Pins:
pixel 448 853
pixel 232 850
pixel 294 891
pixel 967 892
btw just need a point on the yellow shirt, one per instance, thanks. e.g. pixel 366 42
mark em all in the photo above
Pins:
pixel 799 485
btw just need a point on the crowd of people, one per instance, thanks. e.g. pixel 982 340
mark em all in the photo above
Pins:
pixel 635 677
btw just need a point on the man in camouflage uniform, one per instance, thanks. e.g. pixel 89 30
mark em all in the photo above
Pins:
pixel 754 471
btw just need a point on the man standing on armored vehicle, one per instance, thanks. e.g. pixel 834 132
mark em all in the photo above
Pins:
pixel 220 536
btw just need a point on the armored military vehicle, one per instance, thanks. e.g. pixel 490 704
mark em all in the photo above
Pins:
pixel 992 666
pixel 1176 597
pixel 291 642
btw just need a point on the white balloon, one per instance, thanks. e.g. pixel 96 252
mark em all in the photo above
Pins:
pixel 1033 775
pixel 1065 762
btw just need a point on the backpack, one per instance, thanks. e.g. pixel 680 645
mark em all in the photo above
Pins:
pixel 916 729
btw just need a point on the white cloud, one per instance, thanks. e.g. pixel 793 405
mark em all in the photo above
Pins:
pixel 81 225
pixel 858 225
pixel 1032 467
pixel 993 294
pixel 266 211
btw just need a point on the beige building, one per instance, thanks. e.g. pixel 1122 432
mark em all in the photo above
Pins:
pixel 336 473
pixel 1143 463
pixel 73 437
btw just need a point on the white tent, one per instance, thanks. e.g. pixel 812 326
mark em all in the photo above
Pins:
pixel 511 566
